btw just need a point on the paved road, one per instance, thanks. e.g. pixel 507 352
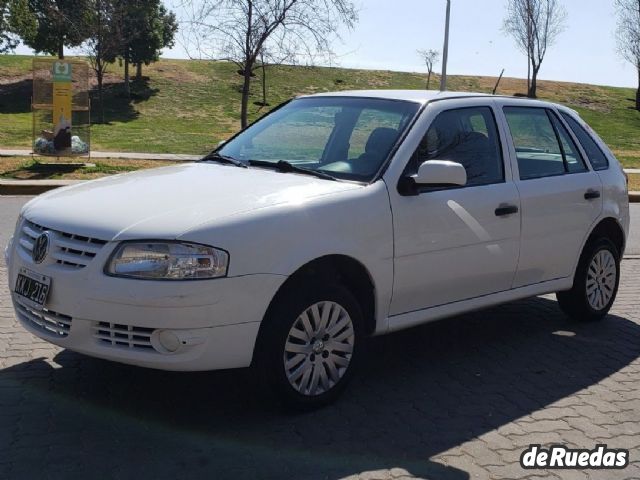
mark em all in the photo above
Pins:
pixel 455 399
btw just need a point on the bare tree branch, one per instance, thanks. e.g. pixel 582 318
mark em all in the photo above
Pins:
pixel 242 31
pixel 429 57
pixel 628 36
pixel 535 26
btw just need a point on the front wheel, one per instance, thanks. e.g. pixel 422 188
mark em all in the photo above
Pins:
pixel 595 284
pixel 310 344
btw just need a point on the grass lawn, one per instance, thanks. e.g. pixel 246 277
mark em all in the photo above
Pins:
pixel 27 168
pixel 188 106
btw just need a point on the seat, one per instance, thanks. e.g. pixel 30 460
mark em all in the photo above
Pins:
pixel 378 146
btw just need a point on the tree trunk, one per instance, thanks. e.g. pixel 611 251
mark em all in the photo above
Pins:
pixel 264 85
pixel 139 72
pixel 533 89
pixel 61 50
pixel 99 74
pixel 127 85
pixel 428 79
pixel 528 73
pixel 638 91
pixel 246 91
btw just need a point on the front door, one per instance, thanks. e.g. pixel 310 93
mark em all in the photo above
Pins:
pixel 462 242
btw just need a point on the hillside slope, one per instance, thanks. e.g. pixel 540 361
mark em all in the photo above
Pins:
pixel 188 106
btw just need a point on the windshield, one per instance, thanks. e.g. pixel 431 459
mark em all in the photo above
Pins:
pixel 346 137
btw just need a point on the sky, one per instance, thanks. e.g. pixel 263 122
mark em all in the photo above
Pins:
pixel 389 32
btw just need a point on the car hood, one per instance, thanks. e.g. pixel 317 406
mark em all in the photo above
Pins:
pixel 162 203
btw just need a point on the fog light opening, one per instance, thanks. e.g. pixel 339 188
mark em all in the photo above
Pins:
pixel 166 341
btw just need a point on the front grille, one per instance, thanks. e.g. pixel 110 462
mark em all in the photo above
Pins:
pixel 67 249
pixel 125 336
pixel 44 320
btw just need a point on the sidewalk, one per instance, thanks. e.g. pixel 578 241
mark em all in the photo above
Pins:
pixel 167 157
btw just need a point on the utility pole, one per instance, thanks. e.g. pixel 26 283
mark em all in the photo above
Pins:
pixel 445 50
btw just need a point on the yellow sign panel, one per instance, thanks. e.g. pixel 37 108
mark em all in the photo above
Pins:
pixel 62 97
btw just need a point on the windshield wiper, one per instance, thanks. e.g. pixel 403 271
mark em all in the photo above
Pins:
pixel 218 157
pixel 286 167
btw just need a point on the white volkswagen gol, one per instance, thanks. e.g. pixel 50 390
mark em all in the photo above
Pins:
pixel 335 217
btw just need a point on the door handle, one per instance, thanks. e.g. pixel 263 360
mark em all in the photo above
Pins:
pixel 503 210
pixel 591 195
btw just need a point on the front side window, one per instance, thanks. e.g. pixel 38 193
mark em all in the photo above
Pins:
pixel 468 136
pixel 543 146
pixel 347 137
pixel 596 156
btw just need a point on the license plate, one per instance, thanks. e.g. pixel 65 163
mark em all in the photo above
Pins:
pixel 33 287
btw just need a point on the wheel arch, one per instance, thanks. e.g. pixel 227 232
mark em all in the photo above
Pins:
pixel 610 228
pixel 347 270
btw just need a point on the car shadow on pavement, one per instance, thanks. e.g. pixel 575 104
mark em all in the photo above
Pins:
pixel 422 392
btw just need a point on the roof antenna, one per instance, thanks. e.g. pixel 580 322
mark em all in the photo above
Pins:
pixel 498 82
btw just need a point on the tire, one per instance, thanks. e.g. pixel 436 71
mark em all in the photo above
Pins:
pixel 595 284
pixel 307 364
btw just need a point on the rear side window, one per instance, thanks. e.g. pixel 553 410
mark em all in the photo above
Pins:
pixel 573 159
pixel 543 146
pixel 596 156
pixel 468 136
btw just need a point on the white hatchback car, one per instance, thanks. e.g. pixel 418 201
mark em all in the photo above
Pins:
pixel 333 218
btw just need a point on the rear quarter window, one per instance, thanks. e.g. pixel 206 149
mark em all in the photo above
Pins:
pixel 596 156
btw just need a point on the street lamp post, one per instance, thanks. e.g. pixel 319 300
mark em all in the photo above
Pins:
pixel 445 50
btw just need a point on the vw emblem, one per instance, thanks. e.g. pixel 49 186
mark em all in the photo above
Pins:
pixel 40 248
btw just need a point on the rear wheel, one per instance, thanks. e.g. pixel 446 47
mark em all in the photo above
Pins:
pixel 310 344
pixel 595 284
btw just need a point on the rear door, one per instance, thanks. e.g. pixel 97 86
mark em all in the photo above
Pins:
pixel 560 195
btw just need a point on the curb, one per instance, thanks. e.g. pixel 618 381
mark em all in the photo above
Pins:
pixel 165 157
pixel 32 187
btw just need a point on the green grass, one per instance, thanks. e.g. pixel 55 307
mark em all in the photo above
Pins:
pixel 188 106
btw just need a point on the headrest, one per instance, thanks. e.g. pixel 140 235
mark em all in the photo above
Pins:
pixel 381 140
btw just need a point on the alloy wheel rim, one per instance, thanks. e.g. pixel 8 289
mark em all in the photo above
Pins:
pixel 601 279
pixel 319 348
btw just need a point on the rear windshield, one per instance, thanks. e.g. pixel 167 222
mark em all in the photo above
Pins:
pixel 349 138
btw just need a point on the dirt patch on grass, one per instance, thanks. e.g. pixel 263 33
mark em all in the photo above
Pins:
pixel 589 104
pixel 178 73
pixel 8 80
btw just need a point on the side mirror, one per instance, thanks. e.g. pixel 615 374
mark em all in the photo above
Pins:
pixel 440 172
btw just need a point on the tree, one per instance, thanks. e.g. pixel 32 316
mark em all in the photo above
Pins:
pixel 50 25
pixel 628 36
pixel 144 28
pixel 535 26
pixel 8 41
pixel 429 57
pixel 239 30
pixel 156 30
pixel 102 47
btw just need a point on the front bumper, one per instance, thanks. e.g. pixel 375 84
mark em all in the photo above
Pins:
pixel 216 321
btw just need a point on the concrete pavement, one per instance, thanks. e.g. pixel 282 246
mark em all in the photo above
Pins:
pixel 456 399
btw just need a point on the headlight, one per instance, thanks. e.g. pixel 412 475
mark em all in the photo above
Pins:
pixel 167 261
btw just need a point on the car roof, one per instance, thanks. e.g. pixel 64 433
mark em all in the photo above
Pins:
pixel 420 96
